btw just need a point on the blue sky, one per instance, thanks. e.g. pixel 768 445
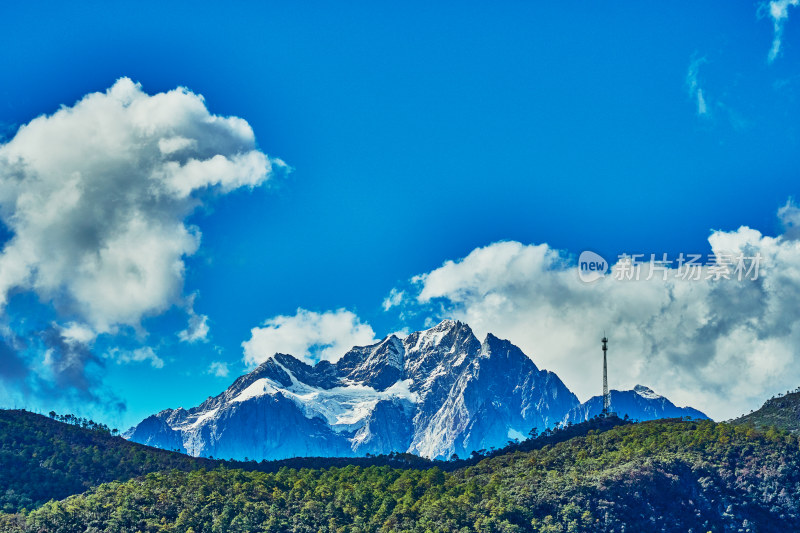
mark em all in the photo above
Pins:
pixel 415 134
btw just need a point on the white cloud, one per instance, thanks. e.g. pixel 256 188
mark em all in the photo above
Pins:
pixel 139 355
pixel 778 11
pixel 307 335
pixel 721 346
pixel 693 85
pixel 394 299
pixel 79 333
pixel 401 333
pixel 197 328
pixel 218 369
pixel 97 195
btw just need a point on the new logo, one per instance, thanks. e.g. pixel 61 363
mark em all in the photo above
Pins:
pixel 591 266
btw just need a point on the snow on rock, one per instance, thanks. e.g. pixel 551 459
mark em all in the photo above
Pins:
pixel 434 393
pixel 646 392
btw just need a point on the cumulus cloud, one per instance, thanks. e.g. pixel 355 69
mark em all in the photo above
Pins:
pixel 693 85
pixel 308 335
pixel 720 345
pixel 218 369
pixel 96 198
pixel 778 11
pixel 97 194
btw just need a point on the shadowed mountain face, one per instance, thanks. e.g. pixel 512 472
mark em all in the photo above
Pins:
pixel 436 392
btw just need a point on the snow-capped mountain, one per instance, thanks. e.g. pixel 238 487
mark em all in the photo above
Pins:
pixel 436 392
pixel 641 404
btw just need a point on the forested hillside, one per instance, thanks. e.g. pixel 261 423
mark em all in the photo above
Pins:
pixel 43 459
pixel 782 411
pixel 51 458
pixel 671 475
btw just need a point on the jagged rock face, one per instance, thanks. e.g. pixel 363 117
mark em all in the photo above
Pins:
pixel 641 404
pixel 267 426
pixel 388 426
pixel 434 393
pixel 379 366
pixel 476 396
pixel 156 431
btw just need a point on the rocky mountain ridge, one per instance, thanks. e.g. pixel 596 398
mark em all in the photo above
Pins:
pixel 434 393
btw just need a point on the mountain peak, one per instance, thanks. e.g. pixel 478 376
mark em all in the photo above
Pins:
pixel 496 346
pixel 646 392
pixel 492 341
pixel 435 392
pixel 448 324
pixel 378 365
pixel 443 330
pixel 271 369
pixel 639 403
pixel 445 343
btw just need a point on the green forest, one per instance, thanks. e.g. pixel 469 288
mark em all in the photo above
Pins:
pixel 666 475
pixel 42 458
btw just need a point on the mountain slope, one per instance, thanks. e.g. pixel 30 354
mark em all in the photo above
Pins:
pixel 434 393
pixel 42 459
pixel 640 403
pixel 781 412
pixel 668 475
